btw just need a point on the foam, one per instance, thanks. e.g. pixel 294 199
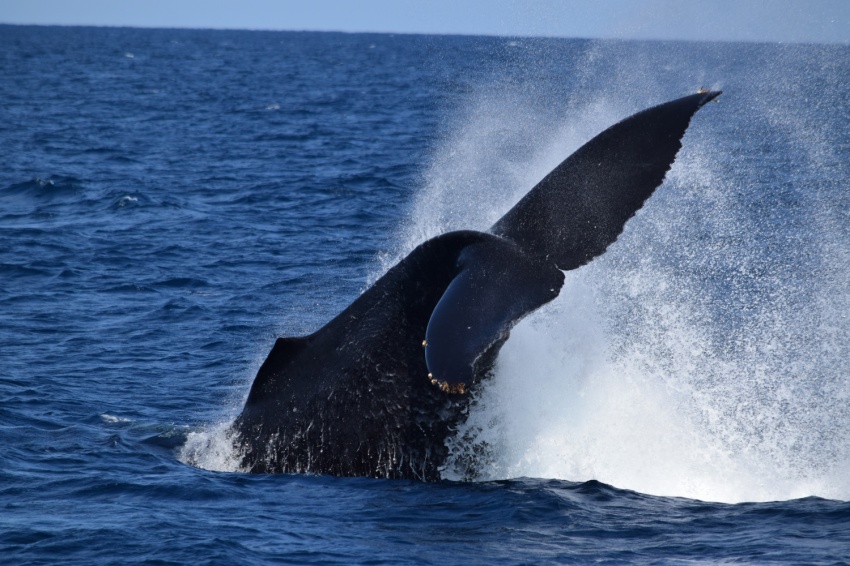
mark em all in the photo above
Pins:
pixel 212 448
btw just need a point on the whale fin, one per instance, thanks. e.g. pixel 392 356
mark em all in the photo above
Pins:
pixel 580 208
pixel 497 284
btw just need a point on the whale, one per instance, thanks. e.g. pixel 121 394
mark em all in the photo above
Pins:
pixel 378 390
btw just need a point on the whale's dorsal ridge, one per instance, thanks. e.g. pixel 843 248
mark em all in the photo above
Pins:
pixel 282 354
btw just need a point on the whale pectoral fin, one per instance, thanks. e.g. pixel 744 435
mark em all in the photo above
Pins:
pixel 496 286
pixel 580 208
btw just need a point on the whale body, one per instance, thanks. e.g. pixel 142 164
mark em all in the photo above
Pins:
pixel 378 389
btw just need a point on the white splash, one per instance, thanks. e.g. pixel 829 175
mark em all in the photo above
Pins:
pixel 213 448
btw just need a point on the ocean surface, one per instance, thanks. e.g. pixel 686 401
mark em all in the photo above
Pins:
pixel 171 201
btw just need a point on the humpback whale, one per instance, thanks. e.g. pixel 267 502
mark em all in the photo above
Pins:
pixel 378 389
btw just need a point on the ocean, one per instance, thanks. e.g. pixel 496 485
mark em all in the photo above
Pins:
pixel 171 201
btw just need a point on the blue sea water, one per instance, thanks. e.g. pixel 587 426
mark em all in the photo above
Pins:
pixel 173 200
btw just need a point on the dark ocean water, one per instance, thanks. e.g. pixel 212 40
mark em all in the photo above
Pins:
pixel 171 201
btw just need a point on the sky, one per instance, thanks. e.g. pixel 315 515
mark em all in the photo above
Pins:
pixel 788 21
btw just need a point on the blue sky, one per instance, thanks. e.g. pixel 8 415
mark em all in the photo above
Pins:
pixel 822 21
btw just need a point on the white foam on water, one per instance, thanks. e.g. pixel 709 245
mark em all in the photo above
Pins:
pixel 217 447
pixel 112 419
pixel 212 448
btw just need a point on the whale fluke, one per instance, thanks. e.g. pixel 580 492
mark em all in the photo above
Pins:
pixel 358 396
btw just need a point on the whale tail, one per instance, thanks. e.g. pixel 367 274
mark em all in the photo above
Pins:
pixel 357 396
pixel 566 220
pixel 581 207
